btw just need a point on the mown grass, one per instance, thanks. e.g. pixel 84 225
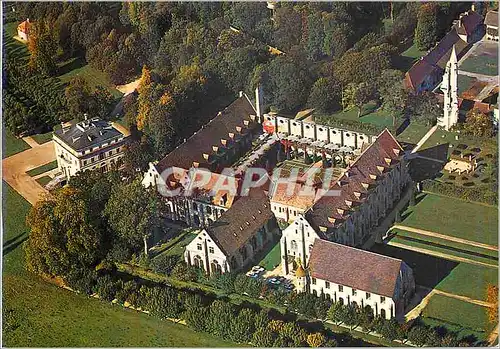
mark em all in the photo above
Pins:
pixel 43 181
pixel 42 169
pixel 42 137
pixel 480 337
pixel 449 216
pixel 38 314
pixel 11 144
pixel 369 114
pixel 469 280
pixel 272 259
pixel 455 311
pixel 413 133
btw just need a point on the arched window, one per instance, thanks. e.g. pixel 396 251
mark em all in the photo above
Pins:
pixel 310 248
pixel 293 244
pixel 209 210
pixel 382 313
pixel 198 262
pixel 215 267
pixel 341 300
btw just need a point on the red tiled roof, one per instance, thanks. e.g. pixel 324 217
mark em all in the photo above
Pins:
pixel 24 27
pixel 417 73
pixel 202 141
pixel 351 183
pixel 355 268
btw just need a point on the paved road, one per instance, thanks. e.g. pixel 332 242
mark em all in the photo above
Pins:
pixel 441 255
pixel 445 237
pixel 15 167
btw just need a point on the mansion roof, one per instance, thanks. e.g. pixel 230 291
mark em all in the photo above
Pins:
pixel 355 268
pixel 356 182
pixel 201 147
pixel 88 133
pixel 240 223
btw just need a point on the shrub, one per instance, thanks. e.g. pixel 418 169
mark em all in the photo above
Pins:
pixel 184 272
pixel 484 194
pixel 262 338
pixel 82 280
pixel 164 264
pixel 418 335
pixel 106 288
pixel 316 340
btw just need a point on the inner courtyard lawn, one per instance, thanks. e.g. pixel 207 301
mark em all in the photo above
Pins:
pixel 38 314
pixel 450 216
pixel 272 259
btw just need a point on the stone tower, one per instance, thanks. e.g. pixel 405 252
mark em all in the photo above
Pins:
pixel 449 86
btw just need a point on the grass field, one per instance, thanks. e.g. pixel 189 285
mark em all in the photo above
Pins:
pixel 369 115
pixel 454 217
pixel 458 312
pixel 12 145
pixel 178 247
pixel 413 133
pixel 446 246
pixel 42 169
pixel 480 337
pixel 44 180
pixel 407 58
pixel 272 259
pixel 469 280
pixel 77 67
pixel 42 137
pixel 38 314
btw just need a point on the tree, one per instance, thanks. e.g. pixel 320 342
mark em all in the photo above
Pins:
pixel 63 236
pixel 42 48
pixel 134 212
pixel 478 124
pixel 356 95
pixel 418 335
pixel 184 272
pixel 392 92
pixel 325 95
pixel 427 26
pixel 389 329
pixel 242 326
pixel 316 340
pixel 424 108
pixel 144 100
pixel 337 312
pixel 262 338
pixel 492 297
pixel 366 318
pixel 351 317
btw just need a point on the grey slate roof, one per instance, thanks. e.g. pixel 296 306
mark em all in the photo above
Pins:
pixel 88 133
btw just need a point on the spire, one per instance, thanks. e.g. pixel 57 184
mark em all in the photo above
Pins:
pixel 453 57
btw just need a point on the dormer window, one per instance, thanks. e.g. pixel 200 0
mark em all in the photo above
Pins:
pixel 348 203
pixel 396 151
pixel 365 185
pixel 231 135
pixel 331 220
pixel 357 194
pixel 215 148
pixel 381 169
pixel 372 176
pixel 206 156
pixel 196 164
pixel 322 229
pixel 223 141
pixel 388 160
pixel 252 117
pixel 238 128
pixel 340 211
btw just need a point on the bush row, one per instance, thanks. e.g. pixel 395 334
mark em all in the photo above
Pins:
pixel 485 194
pixel 244 323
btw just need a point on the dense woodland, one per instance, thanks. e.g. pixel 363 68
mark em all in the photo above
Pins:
pixel 337 55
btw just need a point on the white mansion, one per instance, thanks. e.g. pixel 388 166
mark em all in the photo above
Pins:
pixel 87 146
pixel 370 180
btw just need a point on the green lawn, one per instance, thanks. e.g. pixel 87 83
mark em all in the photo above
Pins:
pixel 413 133
pixel 481 64
pixel 460 330
pixel 12 145
pixel 43 137
pixel 178 247
pixel 369 115
pixel 443 243
pixel 455 311
pixel 469 280
pixel 454 217
pixel 413 52
pixel 44 180
pixel 76 67
pixel 38 314
pixel 13 48
pixel 42 169
pixel 272 259
pixel 407 58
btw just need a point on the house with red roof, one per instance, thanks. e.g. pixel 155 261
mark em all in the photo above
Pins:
pixel 23 30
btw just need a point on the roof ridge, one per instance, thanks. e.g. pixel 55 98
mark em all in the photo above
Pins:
pixel 359 249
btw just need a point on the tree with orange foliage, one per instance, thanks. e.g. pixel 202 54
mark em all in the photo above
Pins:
pixel 144 99
pixel 492 297
pixel 42 48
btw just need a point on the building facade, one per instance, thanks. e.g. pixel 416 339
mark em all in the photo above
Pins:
pixel 236 237
pixel 87 146
pixel 359 278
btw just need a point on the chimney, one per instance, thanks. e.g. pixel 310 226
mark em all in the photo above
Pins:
pixel 241 94
pixel 258 101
